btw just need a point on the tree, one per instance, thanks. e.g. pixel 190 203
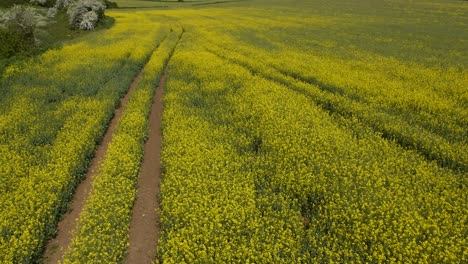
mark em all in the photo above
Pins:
pixel 84 14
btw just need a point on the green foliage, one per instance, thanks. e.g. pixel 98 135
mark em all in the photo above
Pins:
pixel 10 3
pixel 18 29
pixel 43 3
pixel 110 4
pixel 12 43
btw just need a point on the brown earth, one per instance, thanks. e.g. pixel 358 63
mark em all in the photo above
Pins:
pixel 56 247
pixel 145 225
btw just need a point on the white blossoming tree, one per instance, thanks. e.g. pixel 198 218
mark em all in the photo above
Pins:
pixel 84 14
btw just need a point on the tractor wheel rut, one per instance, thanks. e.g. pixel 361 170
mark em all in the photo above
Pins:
pixel 56 247
pixel 145 225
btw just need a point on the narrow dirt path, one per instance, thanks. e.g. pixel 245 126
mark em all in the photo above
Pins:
pixel 145 225
pixel 56 247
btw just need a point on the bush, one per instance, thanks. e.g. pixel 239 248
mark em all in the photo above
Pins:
pixel 60 4
pixel 84 14
pixel 48 3
pixel 10 3
pixel 38 2
pixel 18 28
pixel 110 4
pixel 11 43
pixel 52 12
pixel 88 21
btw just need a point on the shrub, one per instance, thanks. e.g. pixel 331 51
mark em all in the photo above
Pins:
pixel 18 28
pixel 10 43
pixel 38 2
pixel 89 21
pixel 60 4
pixel 52 12
pixel 10 3
pixel 110 4
pixel 84 14
pixel 42 2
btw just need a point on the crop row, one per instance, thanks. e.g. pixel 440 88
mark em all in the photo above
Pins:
pixel 54 110
pixel 412 128
pixel 255 172
pixel 405 97
pixel 102 233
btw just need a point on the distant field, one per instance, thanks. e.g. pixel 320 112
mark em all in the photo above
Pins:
pixel 144 4
pixel 292 132
pixel 168 3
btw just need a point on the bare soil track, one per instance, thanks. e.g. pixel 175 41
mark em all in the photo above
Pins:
pixel 56 247
pixel 145 225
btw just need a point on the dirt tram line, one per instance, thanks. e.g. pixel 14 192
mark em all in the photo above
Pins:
pixel 57 246
pixel 145 226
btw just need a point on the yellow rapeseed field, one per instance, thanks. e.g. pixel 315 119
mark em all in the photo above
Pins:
pixel 293 132
pixel 53 111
